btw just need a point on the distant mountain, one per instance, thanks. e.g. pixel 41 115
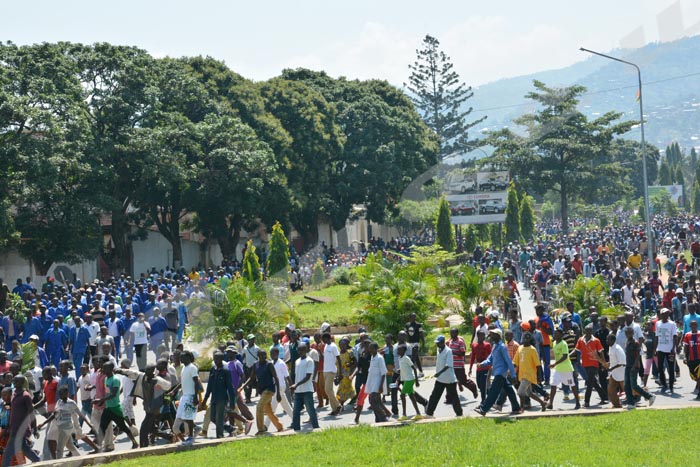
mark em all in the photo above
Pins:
pixel 671 77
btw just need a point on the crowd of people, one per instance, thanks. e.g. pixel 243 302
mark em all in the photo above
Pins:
pixel 84 354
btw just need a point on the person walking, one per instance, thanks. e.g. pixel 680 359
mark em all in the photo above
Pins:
pixel 480 352
pixel 265 377
pixel 666 342
pixel 250 359
pixel 633 366
pixel 303 388
pixel 459 353
pixel 691 349
pixel 376 378
pixel 331 371
pixel 527 362
pixel 220 388
pixel 591 352
pixel 445 379
pixel 563 369
pixel 501 368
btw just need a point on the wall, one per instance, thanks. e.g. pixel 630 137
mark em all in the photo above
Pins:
pixel 13 267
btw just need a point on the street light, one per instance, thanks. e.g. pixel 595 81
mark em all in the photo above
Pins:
pixel 650 250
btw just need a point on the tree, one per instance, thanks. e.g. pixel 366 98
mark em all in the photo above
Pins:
pixel 236 175
pixel 318 275
pixel 120 92
pixel 560 147
pixel 383 134
pixel 495 233
pixel 317 144
pixel 278 259
pixel 250 269
pixel 629 154
pixel 414 217
pixel 527 218
pixel 693 159
pixel 440 97
pixel 443 227
pixel 43 131
pixel 512 223
pixel 470 239
pixel 696 198
pixel 663 204
pixel 664 173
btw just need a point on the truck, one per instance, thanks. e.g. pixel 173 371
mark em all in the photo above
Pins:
pixel 459 182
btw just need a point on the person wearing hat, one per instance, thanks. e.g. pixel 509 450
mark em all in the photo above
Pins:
pixel 250 358
pixel 678 306
pixel 502 369
pixel 445 379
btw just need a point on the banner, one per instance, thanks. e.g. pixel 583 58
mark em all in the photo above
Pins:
pixel 477 197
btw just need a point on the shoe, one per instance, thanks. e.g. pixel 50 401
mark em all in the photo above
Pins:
pixel 631 407
pixel 566 397
pixel 403 418
pixel 479 411
pixel 586 405
pixel 697 398
pixel 517 412
pixel 418 417
pixel 189 441
pixel 248 426
pixel 577 406
pixel 550 407
pixel 498 407
pixel 651 400
pixel 421 375
pixel 134 431
pixel 544 407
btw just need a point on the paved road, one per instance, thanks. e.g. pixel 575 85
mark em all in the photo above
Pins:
pixel 683 396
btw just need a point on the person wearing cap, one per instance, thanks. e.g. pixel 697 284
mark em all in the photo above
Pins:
pixel 678 305
pixel 501 368
pixel 250 358
pixel 445 379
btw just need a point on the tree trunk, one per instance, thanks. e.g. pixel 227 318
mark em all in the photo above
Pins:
pixel 42 268
pixel 120 260
pixel 564 211
pixel 225 245
pixel 175 241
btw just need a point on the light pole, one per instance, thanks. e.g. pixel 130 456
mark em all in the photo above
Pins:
pixel 650 239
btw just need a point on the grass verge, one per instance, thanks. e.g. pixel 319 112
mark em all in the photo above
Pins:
pixel 339 311
pixel 632 438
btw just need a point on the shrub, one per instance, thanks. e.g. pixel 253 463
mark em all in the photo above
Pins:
pixel 318 275
pixel 584 292
pixel 343 275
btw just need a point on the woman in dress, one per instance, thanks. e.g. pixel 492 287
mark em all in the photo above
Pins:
pixel 348 364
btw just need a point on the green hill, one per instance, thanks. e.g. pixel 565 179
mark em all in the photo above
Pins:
pixel 671 76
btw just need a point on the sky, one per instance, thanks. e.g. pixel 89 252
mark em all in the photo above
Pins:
pixel 361 38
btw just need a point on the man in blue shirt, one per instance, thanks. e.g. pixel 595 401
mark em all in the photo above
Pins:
pixel 56 343
pixel 79 339
pixel 158 328
pixel 127 320
pixel 501 368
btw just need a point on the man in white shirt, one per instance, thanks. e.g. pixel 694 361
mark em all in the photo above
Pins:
pixel 376 377
pixel 303 388
pixel 139 336
pixel 331 371
pixel 187 409
pixel 616 370
pixel 283 378
pixel 445 379
pixel 558 266
pixel 628 296
pixel 666 341
pixel 636 330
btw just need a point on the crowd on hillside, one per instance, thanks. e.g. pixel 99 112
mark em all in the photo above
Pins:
pixel 85 353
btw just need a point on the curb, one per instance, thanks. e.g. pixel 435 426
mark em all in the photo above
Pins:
pixel 99 459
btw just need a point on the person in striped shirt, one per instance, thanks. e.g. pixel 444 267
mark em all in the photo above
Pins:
pixel 691 347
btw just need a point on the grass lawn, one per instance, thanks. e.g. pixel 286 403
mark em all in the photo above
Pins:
pixel 339 311
pixel 649 437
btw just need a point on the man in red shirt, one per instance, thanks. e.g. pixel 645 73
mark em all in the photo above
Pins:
pixel 459 353
pixel 480 352
pixel 591 352
pixel 577 264
pixel 691 347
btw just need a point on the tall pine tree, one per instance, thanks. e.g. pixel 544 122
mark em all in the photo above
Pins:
pixel 443 227
pixel 440 96
pixel 664 173
pixel 696 198
pixel 278 259
pixel 251 264
pixel 693 159
pixel 527 218
pixel 512 224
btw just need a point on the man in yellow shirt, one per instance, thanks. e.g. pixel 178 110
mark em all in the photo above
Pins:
pixel 526 362
pixel 634 260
